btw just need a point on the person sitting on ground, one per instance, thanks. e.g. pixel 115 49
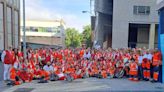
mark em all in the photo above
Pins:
pixel 50 70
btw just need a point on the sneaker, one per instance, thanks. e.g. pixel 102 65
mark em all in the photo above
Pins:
pixel 154 81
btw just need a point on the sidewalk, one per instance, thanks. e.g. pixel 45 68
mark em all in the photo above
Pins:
pixel 1 71
pixel 3 86
pixel 90 85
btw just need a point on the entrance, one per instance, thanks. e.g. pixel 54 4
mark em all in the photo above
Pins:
pixel 138 35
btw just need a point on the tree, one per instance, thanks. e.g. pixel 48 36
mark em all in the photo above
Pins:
pixel 73 38
pixel 86 34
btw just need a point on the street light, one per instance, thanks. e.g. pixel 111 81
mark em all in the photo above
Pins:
pixel 86 12
pixel 24 31
pixel 92 15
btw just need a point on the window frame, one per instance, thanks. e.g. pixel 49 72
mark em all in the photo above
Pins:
pixel 137 10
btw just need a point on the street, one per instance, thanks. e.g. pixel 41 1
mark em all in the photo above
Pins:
pixel 89 85
pixel 1 71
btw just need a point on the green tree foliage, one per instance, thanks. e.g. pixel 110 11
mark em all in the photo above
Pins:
pixel 86 34
pixel 73 38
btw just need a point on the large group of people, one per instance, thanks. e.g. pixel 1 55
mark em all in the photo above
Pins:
pixel 45 64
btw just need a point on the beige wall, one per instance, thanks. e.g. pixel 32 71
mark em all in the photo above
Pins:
pixel 44 40
pixel 143 37
pixel 121 22
pixel 44 23
pixel 9 23
pixel 1 28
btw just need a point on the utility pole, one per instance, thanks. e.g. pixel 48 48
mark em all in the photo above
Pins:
pixel 24 31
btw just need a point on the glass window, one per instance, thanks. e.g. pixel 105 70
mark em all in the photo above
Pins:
pixel 36 29
pixel 40 29
pixel 135 10
pixel 49 29
pixel 141 10
pixel 147 10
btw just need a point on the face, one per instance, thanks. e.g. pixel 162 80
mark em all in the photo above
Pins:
pixel 15 50
pixel 10 48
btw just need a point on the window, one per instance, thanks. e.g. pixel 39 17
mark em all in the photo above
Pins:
pixel 49 29
pixel 141 10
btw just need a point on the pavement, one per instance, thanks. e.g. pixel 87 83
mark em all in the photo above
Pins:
pixel 88 85
pixel 84 85
pixel 1 71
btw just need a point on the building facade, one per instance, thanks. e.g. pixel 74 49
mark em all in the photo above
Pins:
pixel 9 23
pixel 103 23
pixel 126 23
pixel 41 33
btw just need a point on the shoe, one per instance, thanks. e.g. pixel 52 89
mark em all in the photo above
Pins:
pixel 147 80
pixel 154 81
pixel 11 83
pixel 144 79
pixel 43 81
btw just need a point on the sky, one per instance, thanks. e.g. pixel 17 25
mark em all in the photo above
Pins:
pixel 158 1
pixel 68 10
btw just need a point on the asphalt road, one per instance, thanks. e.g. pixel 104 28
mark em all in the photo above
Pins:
pixel 1 71
pixel 89 85
pixel 84 85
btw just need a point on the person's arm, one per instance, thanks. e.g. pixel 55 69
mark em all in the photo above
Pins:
pixel 40 60
pixel 51 69
pixel 44 67
pixel 3 56
pixel 52 58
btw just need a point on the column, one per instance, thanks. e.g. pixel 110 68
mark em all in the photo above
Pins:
pixel 152 36
pixel 5 25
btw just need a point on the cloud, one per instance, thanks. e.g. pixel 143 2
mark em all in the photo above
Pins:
pixel 36 11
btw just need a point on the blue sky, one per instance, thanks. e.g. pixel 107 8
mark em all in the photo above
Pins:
pixel 68 10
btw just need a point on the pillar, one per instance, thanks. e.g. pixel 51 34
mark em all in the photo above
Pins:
pixel 151 36
pixel 5 24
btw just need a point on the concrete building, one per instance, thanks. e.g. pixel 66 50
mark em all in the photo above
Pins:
pixel 126 23
pixel 103 23
pixel 9 23
pixel 44 33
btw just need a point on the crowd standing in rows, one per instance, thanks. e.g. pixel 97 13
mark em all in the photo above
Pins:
pixel 45 64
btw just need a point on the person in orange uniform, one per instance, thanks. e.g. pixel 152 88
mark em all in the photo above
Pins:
pixel 146 69
pixel 133 70
pixel 104 73
pixel 37 72
pixel 157 59
pixel 14 77
pixel 81 53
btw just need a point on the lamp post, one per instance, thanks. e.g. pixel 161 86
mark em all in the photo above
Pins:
pixel 24 31
pixel 92 14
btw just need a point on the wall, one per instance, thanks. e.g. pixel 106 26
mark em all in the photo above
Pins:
pixel 103 24
pixel 104 6
pixel 1 27
pixel 143 37
pixel 123 15
pixel 44 40
pixel 9 23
